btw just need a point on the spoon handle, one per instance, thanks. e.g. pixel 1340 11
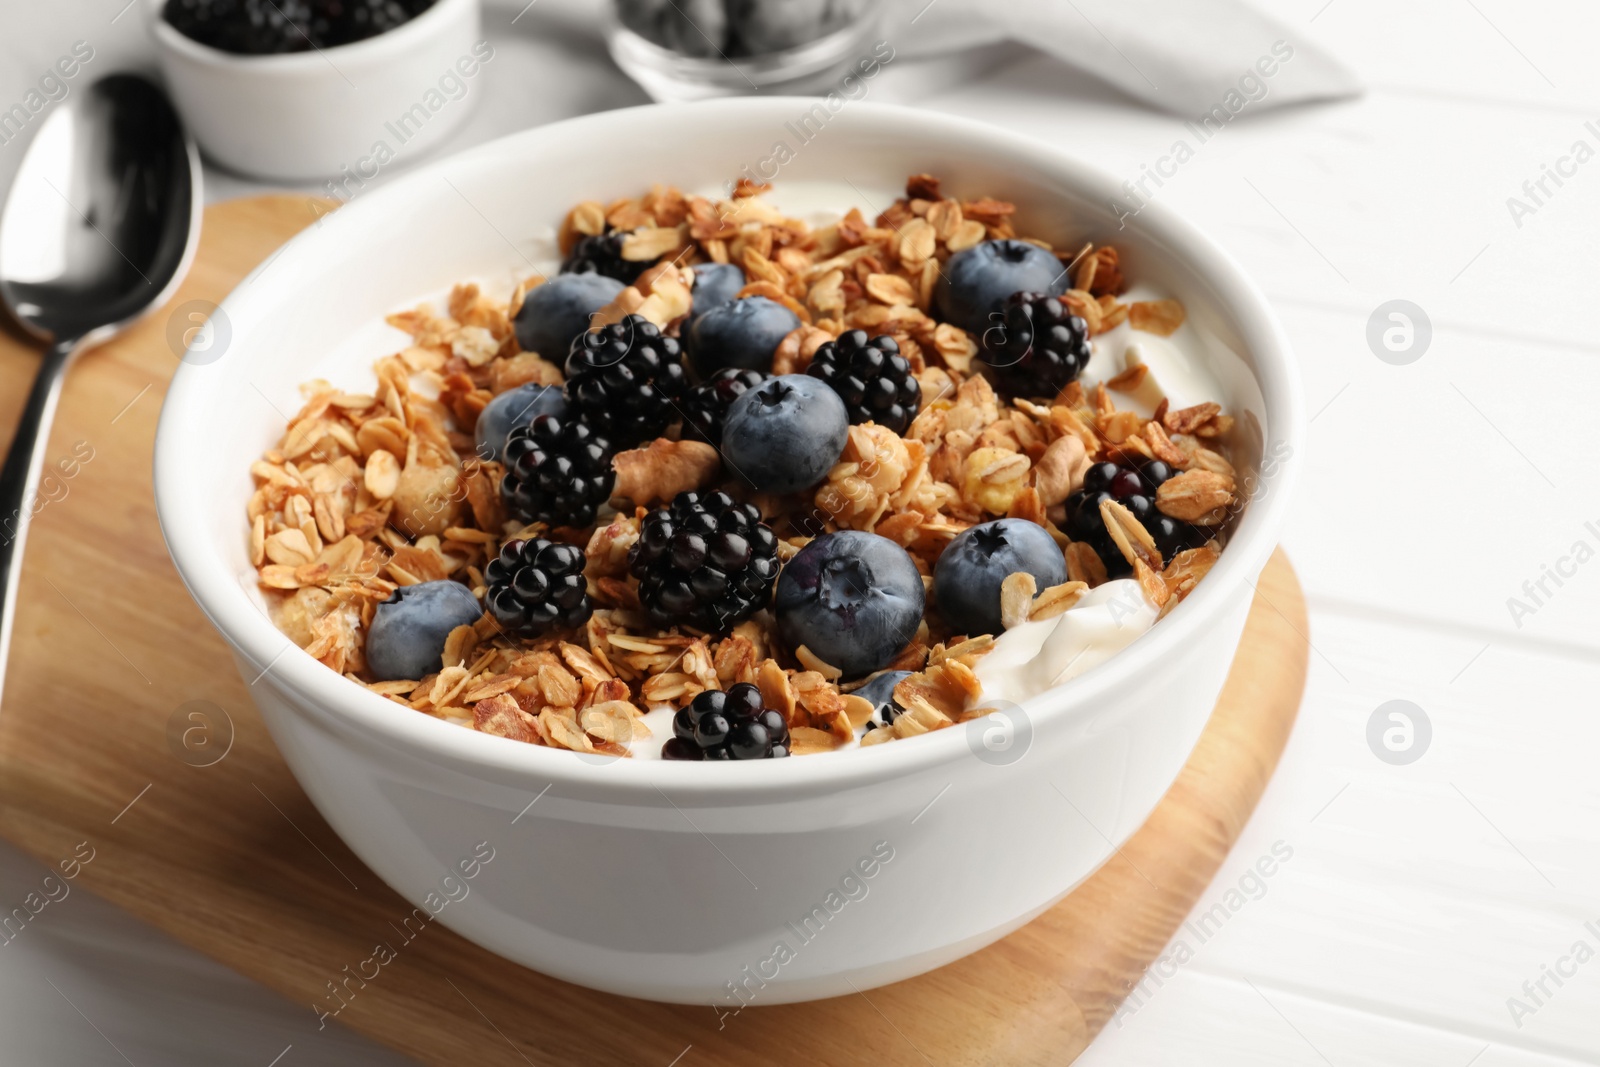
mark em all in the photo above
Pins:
pixel 19 480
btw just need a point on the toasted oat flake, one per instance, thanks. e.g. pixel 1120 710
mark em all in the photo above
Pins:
pixel 1195 495
pixel 290 548
pixel 1016 598
pixel 807 741
pixel 648 245
pixel 775 690
pixel 890 289
pixel 812 662
pixel 1129 534
pixel 1191 419
pixel 968 651
pixel 1160 317
pixel 1155 590
pixel 917 242
pixel 1057 600
pixel 501 716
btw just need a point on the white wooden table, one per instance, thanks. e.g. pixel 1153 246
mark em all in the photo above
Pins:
pixel 1420 898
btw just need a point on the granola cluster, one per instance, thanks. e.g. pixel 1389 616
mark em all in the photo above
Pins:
pixel 369 492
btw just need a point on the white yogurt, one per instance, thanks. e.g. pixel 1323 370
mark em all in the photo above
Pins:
pixel 1174 370
pixel 1037 656
pixel 659 722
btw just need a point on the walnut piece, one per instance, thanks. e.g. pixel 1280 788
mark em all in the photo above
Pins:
pixel 1060 471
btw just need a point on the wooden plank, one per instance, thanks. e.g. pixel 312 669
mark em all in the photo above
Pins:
pixel 233 860
pixel 1417 896
pixel 1253 1023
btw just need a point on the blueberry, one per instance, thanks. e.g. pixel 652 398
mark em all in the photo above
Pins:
pixel 880 691
pixel 785 434
pixel 976 281
pixel 966 580
pixel 514 408
pixel 714 285
pixel 854 599
pixel 762 26
pixel 742 333
pixel 688 27
pixel 406 638
pixel 554 313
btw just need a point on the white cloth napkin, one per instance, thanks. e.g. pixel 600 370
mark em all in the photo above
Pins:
pixel 1183 56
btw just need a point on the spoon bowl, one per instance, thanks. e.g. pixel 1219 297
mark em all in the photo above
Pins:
pixel 99 227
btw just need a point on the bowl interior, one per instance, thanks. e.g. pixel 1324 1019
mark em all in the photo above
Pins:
pixel 316 309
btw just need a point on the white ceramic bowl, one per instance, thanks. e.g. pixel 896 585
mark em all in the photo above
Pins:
pixel 672 880
pixel 322 114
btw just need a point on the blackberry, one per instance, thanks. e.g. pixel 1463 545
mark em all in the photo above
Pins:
pixel 625 380
pixel 1135 488
pixel 601 253
pixel 871 377
pixel 704 561
pixel 356 20
pixel 735 725
pixel 536 586
pixel 245 27
pixel 1038 347
pixel 707 404
pixel 558 471
pixel 260 27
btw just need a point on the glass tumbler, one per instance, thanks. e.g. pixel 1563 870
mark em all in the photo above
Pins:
pixel 695 49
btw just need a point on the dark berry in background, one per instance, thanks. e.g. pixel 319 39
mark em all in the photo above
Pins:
pixel 696 28
pixel 536 586
pixel 719 29
pixel 704 561
pixel 733 725
pixel 558 471
pixel 872 378
pixel 264 27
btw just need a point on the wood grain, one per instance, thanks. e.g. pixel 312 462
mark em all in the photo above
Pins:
pixel 232 858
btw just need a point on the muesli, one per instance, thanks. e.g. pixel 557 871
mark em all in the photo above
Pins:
pixel 733 486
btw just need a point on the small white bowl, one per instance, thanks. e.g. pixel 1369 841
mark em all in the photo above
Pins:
pixel 324 114
pixel 675 881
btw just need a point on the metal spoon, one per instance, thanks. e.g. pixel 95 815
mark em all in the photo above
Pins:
pixel 99 227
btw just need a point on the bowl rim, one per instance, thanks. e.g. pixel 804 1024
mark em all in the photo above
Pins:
pixel 347 708
pixel 296 64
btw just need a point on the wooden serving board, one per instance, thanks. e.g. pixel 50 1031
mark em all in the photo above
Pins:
pixel 232 858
